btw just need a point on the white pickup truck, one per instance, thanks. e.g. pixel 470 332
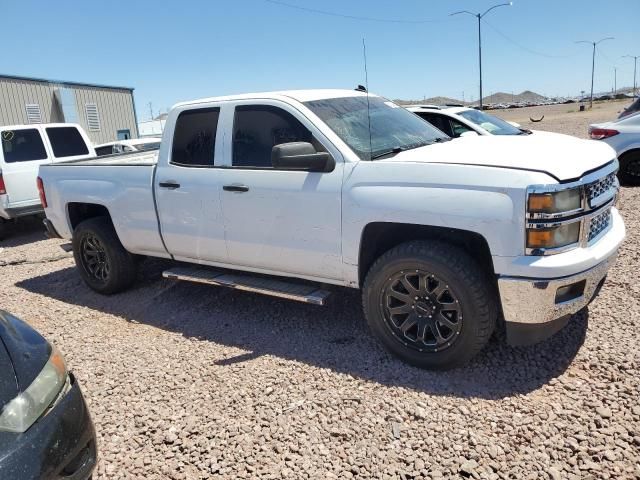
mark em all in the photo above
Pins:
pixel 288 193
pixel 24 149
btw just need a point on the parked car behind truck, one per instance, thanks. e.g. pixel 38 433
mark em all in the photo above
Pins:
pixel 294 191
pixel 24 149
pixel 623 135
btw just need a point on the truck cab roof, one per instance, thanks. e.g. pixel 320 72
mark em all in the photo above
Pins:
pixel 298 95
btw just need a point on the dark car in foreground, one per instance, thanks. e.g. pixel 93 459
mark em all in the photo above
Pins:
pixel 46 432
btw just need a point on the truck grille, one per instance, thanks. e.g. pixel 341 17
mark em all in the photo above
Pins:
pixel 601 188
pixel 599 224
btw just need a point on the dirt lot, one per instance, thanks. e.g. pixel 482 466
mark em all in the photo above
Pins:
pixel 189 382
pixel 564 118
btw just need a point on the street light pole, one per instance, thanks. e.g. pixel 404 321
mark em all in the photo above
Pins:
pixel 635 67
pixel 593 63
pixel 479 17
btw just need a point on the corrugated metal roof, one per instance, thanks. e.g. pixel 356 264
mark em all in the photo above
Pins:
pixel 62 82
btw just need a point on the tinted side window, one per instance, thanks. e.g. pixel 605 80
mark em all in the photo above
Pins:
pixel 194 139
pixel 257 128
pixel 66 142
pixel 439 121
pixel 108 150
pixel 22 145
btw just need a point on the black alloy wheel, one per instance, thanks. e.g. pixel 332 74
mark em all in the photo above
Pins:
pixel 94 258
pixel 421 310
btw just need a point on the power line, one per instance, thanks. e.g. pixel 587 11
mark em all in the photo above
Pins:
pixel 350 17
pixel 523 47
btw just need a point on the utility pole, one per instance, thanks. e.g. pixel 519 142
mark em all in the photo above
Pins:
pixel 151 110
pixel 593 62
pixel 635 68
pixel 615 81
pixel 479 17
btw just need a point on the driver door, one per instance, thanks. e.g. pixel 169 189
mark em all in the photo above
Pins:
pixel 279 220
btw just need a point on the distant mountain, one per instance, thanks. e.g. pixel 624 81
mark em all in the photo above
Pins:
pixel 526 96
pixel 498 97
pixel 430 101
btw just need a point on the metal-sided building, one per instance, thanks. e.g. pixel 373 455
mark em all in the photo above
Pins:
pixel 106 113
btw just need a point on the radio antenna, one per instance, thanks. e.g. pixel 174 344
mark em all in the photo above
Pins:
pixel 366 83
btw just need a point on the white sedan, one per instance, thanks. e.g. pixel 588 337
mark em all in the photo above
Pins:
pixel 456 121
pixel 129 145
pixel 624 136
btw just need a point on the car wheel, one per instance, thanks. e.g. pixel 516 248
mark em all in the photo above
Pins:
pixel 102 261
pixel 629 173
pixel 430 304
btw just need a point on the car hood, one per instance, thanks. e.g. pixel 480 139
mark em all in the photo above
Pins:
pixel 23 355
pixel 561 156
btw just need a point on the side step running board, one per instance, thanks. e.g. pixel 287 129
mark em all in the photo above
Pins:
pixel 257 284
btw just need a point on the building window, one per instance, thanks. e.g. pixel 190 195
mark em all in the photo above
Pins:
pixel 33 113
pixel 93 117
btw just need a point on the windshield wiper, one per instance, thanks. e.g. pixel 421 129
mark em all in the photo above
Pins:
pixel 411 146
pixel 388 152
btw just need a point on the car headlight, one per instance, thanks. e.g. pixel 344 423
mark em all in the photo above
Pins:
pixel 22 412
pixel 549 203
pixel 553 237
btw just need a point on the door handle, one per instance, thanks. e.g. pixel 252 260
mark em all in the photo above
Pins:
pixel 235 188
pixel 171 184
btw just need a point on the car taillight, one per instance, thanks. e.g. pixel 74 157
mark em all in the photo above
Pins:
pixel 43 196
pixel 600 133
pixel 3 189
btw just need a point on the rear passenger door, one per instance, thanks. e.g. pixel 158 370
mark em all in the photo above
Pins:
pixel 23 151
pixel 188 188
pixel 279 220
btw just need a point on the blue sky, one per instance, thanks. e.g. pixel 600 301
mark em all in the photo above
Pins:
pixel 195 48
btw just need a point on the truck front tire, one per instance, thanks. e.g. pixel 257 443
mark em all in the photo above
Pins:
pixel 102 261
pixel 430 304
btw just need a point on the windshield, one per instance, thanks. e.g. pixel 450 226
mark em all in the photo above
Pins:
pixel 147 146
pixel 491 124
pixel 392 127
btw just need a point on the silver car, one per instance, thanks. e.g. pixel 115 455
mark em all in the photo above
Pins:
pixel 624 136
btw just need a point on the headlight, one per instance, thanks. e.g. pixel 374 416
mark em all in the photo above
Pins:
pixel 22 412
pixel 553 237
pixel 555 202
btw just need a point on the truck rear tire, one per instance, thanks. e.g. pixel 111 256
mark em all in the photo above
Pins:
pixel 430 304
pixel 102 261
pixel 629 173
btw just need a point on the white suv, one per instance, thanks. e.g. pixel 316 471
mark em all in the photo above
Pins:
pixel 455 121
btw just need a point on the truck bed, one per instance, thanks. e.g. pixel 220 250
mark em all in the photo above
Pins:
pixel 119 160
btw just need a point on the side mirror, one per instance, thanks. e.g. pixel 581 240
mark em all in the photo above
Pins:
pixel 301 156
pixel 469 133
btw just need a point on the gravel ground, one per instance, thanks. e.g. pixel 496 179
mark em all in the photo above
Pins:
pixel 189 382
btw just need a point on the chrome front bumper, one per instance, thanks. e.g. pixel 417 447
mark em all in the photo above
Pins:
pixel 532 308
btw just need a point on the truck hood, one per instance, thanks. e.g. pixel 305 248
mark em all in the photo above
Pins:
pixel 561 156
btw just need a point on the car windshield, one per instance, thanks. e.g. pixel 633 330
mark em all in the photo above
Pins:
pixel 147 146
pixel 393 128
pixel 491 124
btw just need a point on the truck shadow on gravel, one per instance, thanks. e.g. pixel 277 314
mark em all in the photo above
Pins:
pixel 334 337
pixel 24 231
